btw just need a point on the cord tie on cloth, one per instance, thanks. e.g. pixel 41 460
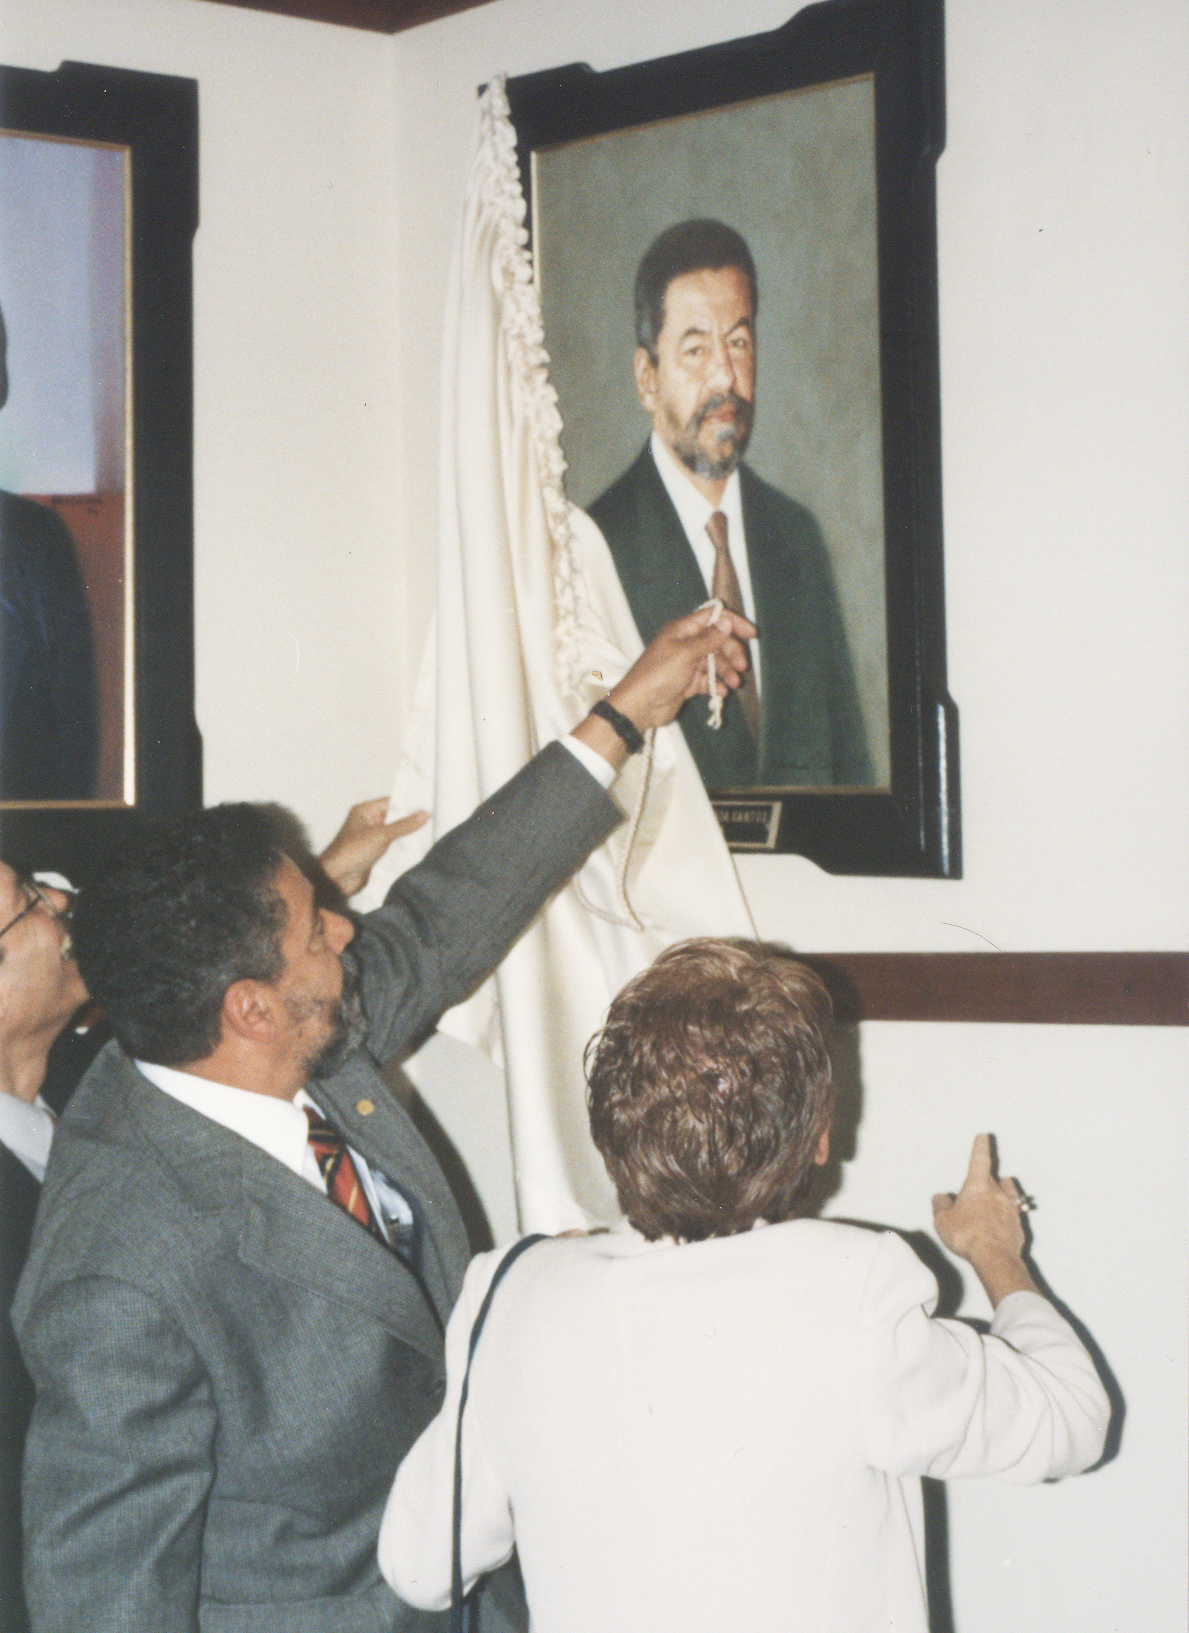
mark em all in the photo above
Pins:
pixel 715 610
pixel 631 919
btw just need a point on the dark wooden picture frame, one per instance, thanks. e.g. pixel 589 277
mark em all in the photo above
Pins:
pixel 154 118
pixel 911 824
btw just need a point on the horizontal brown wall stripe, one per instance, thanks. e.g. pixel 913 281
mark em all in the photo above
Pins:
pixel 1083 989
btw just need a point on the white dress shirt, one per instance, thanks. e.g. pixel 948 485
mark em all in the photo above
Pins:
pixel 27 1130
pixel 694 512
pixel 601 770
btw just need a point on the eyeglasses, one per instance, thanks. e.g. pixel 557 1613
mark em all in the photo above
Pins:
pixel 36 897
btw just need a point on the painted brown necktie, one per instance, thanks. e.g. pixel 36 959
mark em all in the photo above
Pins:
pixel 342 1180
pixel 724 587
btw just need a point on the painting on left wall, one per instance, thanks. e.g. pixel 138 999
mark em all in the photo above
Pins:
pixel 98 204
pixel 66 563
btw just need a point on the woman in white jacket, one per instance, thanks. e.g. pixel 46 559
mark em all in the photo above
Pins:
pixel 690 1423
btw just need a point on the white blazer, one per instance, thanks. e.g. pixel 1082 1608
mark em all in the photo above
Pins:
pixel 727 1435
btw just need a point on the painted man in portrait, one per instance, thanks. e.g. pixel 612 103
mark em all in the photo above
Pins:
pixel 689 521
pixel 49 715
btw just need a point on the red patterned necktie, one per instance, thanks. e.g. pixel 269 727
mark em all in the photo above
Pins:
pixel 342 1180
pixel 724 587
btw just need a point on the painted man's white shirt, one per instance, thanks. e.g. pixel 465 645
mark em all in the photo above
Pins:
pixel 693 512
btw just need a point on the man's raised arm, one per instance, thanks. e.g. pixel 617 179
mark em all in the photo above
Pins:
pixel 448 922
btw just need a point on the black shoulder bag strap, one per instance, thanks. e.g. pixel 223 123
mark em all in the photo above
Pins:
pixel 461 1617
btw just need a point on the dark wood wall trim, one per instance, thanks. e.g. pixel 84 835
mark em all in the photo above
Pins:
pixel 380 16
pixel 1084 989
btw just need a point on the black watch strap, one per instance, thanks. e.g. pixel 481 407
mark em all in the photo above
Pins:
pixel 620 724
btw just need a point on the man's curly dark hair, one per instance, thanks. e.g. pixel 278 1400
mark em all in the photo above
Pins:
pixel 174 917
pixel 710 1088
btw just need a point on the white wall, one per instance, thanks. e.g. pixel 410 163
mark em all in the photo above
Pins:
pixel 1065 362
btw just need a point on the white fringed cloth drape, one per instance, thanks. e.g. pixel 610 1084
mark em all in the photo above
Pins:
pixel 532 626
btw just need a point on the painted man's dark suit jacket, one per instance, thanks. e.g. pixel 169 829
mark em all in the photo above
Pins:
pixel 811 729
pixel 49 720
pixel 228 1368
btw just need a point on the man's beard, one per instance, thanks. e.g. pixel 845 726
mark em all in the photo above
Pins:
pixel 348 1025
pixel 733 439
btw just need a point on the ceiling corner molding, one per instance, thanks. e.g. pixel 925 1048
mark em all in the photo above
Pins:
pixel 379 16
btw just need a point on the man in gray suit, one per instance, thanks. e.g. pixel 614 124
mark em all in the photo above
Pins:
pixel 229 1367
pixel 42 1059
pixel 688 520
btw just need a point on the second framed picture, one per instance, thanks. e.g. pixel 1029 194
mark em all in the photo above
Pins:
pixel 99 172
pixel 735 253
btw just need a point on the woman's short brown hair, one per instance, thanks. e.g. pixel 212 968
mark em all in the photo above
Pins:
pixel 709 1088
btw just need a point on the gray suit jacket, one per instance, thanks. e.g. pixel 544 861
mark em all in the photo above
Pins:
pixel 811 727
pixel 228 1368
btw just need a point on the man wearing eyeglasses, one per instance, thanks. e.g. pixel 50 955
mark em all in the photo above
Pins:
pixel 40 989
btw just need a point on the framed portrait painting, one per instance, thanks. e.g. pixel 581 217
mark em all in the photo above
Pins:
pixel 735 253
pixel 98 183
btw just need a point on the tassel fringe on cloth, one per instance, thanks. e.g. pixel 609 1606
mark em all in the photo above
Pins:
pixel 532 627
